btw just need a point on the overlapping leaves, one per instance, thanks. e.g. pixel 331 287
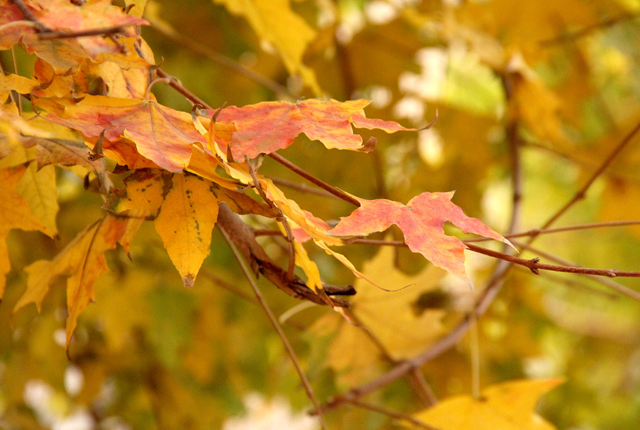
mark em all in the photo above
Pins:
pixel 160 143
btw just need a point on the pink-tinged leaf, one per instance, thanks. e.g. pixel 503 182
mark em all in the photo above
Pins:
pixel 63 15
pixel 422 223
pixel 266 127
pixel 161 134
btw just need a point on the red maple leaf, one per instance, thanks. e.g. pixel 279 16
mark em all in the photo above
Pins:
pixel 422 222
pixel 266 127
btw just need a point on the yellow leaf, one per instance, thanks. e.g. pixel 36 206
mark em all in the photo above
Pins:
pixel 5 265
pixel 185 222
pixel 389 315
pixel 126 82
pixel 308 267
pixel 135 7
pixel 38 187
pixel 204 165
pixel 83 260
pixel 115 302
pixel 344 260
pixel 352 355
pixel 15 212
pixel 144 191
pixel 275 22
pixel 16 83
pixel 507 406
pixel 535 104
pixel 315 227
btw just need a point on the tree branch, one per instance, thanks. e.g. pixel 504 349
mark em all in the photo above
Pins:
pixel 604 281
pixel 581 194
pixel 393 414
pixel 106 31
pixel 587 30
pixel 309 177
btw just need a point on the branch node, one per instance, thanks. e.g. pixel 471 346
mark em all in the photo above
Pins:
pixel 533 267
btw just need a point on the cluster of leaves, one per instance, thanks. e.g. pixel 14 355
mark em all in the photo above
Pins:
pixel 89 107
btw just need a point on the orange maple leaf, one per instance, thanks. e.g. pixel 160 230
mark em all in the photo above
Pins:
pixel 422 222
pixel 266 127
pixel 161 134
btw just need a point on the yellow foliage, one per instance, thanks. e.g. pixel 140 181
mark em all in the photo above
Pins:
pixel 507 406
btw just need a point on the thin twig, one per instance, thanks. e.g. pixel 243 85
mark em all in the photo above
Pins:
pixel 303 188
pixel 49 35
pixel 225 285
pixel 175 84
pixel 276 326
pixel 425 388
pixel 580 286
pixel 538 231
pixel 26 13
pixel 604 281
pixel 587 30
pixel 535 266
pixel 390 413
pixel 170 33
pixel 579 162
pixel 309 177
pixel 581 194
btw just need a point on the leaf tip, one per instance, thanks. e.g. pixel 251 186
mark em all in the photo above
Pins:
pixel 505 240
pixel 189 280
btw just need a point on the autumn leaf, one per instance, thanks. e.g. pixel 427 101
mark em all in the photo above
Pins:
pixel 389 316
pixel 61 15
pixel 15 212
pixel 507 406
pixel 204 165
pixel 38 188
pixel 312 225
pixel 308 267
pixel 266 127
pixel 161 134
pixel 275 22
pixel 83 261
pixel 187 217
pixel 16 83
pixel 422 222
pixel 145 190
pixel 62 152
